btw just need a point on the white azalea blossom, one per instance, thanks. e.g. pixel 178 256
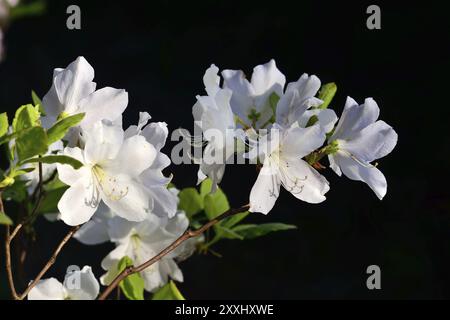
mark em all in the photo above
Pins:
pixel 164 201
pixel 73 91
pixel 78 285
pixel 297 103
pixel 360 139
pixel 252 100
pixel 144 240
pixel 281 154
pixel 213 114
pixel 110 173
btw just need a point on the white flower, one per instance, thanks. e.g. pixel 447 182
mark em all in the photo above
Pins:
pixel 294 107
pixel 251 101
pixel 281 154
pixel 110 171
pixel 164 201
pixel 73 91
pixel 360 140
pixel 212 113
pixel 142 241
pixel 78 285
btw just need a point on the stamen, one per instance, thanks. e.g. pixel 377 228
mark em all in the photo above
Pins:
pixel 109 185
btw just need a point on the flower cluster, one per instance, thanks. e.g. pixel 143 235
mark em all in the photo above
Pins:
pixel 286 130
pixel 119 193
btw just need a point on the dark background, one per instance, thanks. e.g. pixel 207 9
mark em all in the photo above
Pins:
pixel 159 50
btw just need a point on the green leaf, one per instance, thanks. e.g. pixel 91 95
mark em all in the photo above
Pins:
pixel 326 94
pixel 312 121
pixel 49 203
pixel 31 143
pixel 215 204
pixel 3 124
pixel 190 201
pixel 55 159
pixel 273 100
pixel 168 292
pixel 234 220
pixel 27 116
pixel 205 187
pixel 16 192
pixel 37 102
pixel 133 285
pixel 251 231
pixel 60 128
pixel 4 219
pixel 224 232
pixel 34 8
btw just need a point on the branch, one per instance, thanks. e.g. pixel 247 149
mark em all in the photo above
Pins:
pixel 185 236
pixel 47 266
pixel 11 236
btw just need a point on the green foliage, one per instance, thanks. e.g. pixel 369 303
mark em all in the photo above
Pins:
pixel 204 205
pixel 191 201
pixel 3 124
pixel 27 9
pixel 16 192
pixel 133 285
pixel 215 204
pixel 55 159
pixel 168 292
pixel 37 102
pixel 251 231
pixel 27 116
pixel 326 94
pixel 4 219
pixel 61 127
pixel 31 142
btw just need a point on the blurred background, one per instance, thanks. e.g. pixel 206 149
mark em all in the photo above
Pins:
pixel 159 50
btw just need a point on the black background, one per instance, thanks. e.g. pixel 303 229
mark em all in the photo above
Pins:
pixel 159 50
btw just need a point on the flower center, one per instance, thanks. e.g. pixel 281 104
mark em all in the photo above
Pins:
pixel 109 185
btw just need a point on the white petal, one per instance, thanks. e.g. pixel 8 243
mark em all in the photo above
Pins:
pixel 164 201
pixel 67 173
pixel 170 269
pixel 327 118
pixel 211 80
pixel 303 181
pixel 355 118
pixel 241 99
pixel 48 289
pixel 103 142
pixel 74 83
pixel 106 103
pixel 373 142
pixel 299 142
pixel 95 231
pixel 266 189
pixel 153 278
pixel 127 198
pixel 267 77
pixel 73 204
pixel 156 133
pixel 366 173
pixel 334 165
pixel 88 285
pixel 135 155
pixel 111 260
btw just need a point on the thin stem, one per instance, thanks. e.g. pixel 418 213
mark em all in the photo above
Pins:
pixel 51 261
pixel 185 236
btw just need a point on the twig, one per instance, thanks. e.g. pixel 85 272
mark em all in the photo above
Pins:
pixel 47 266
pixel 11 236
pixel 185 236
